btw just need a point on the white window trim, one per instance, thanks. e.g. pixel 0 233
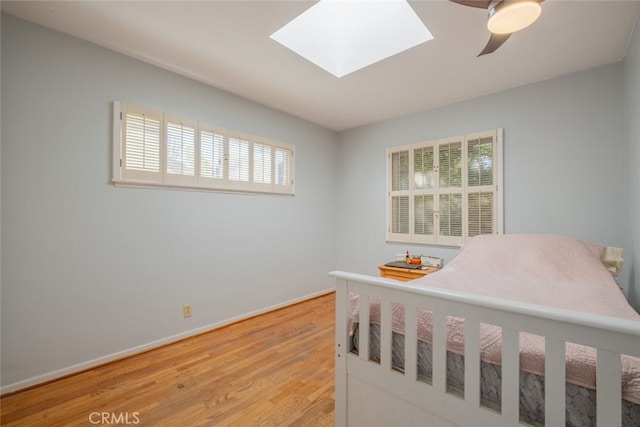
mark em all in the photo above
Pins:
pixel 123 178
pixel 410 238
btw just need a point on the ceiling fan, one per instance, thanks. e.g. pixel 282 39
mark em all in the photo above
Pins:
pixel 505 18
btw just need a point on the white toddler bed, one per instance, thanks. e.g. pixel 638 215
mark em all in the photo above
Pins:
pixel 542 306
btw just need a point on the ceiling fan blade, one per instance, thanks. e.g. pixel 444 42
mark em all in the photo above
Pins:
pixel 481 4
pixel 495 41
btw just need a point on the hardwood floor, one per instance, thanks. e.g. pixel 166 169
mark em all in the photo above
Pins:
pixel 270 370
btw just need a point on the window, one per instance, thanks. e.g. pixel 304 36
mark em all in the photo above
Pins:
pixel 141 155
pixel 154 149
pixel 446 191
pixel 181 151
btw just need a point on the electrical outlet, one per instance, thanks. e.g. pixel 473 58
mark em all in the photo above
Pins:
pixel 186 310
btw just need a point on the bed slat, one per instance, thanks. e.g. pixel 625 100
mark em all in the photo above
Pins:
pixel 510 374
pixel 342 349
pixel 410 342
pixel 472 361
pixel 385 334
pixel 363 328
pixel 439 347
pixel 554 388
pixel 609 388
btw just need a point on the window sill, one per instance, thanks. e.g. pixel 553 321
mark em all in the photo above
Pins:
pixel 147 184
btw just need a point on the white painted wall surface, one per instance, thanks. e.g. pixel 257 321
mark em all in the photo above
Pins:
pixel 565 165
pixel 632 136
pixel 91 270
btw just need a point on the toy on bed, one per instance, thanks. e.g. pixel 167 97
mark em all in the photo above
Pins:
pixel 543 277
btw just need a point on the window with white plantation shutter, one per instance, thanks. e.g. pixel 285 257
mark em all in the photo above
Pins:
pixel 141 130
pixel 399 192
pixel 481 198
pixel 153 149
pixel 445 191
pixel 238 158
pixel 262 157
pixel 211 155
pixel 181 151
pixel 282 159
pixel 449 211
pixel 450 216
pixel 481 217
pixel 424 212
pixel 400 215
pixel 450 164
pixel 424 176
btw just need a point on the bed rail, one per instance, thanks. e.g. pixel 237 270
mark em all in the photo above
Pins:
pixel 370 393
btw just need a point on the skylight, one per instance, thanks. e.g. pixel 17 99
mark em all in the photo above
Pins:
pixel 343 36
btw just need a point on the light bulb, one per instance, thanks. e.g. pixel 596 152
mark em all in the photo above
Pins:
pixel 508 17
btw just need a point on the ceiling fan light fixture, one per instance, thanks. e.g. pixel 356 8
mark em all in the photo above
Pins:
pixel 507 17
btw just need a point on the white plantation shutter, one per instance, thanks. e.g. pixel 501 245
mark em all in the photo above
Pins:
pixel 400 215
pixel 155 149
pixel 445 191
pixel 238 158
pixel 450 162
pixel 450 216
pixel 480 159
pixel 481 213
pixel 211 154
pixel 424 215
pixel 180 151
pixel 424 169
pixel 450 167
pixel 283 164
pixel 399 192
pixel 141 136
pixel 481 176
pixel 262 161
pixel 400 170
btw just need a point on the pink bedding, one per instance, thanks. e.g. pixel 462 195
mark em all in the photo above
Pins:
pixel 541 269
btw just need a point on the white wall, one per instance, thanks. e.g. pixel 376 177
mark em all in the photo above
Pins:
pixel 565 164
pixel 85 269
pixel 632 136
pixel 90 270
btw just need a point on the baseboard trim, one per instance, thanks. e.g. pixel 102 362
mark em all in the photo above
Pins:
pixel 90 364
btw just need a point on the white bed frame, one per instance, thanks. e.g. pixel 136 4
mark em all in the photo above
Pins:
pixel 373 394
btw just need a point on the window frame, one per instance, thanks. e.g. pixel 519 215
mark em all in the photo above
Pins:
pixel 125 177
pixel 436 239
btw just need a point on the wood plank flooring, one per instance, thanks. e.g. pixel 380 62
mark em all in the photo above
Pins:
pixel 271 370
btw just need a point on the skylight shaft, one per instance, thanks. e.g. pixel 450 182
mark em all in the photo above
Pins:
pixel 343 36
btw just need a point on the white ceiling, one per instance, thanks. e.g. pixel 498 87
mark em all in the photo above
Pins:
pixel 226 44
